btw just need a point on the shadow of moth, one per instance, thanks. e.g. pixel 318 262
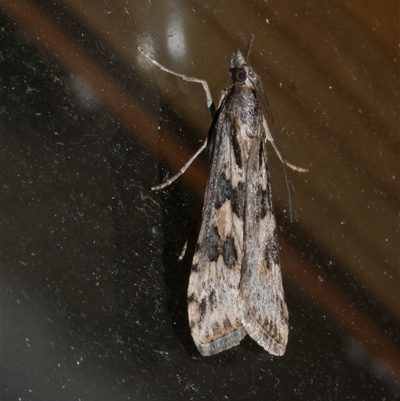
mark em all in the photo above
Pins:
pixel 235 286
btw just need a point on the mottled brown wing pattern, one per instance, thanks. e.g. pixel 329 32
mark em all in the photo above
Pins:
pixel 261 298
pixel 213 291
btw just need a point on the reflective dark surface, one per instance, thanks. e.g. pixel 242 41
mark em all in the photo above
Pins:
pixel 93 294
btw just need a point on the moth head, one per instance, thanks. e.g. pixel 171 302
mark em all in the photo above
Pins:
pixel 237 59
pixel 241 72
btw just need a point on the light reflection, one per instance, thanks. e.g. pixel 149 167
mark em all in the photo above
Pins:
pixel 176 39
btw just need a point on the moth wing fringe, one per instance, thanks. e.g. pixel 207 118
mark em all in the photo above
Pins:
pixel 257 333
pixel 231 340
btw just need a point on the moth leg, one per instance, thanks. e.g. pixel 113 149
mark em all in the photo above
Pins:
pixel 271 139
pixel 290 165
pixel 183 251
pixel 181 171
pixel 203 82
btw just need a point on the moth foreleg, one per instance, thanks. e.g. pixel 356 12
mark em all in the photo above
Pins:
pixel 203 82
pixel 271 139
pixel 181 171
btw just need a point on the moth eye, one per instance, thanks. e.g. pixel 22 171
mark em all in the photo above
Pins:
pixel 239 75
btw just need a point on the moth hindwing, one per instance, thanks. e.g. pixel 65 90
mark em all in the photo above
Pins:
pixel 235 286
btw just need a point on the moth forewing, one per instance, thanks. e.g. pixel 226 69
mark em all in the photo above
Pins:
pixel 261 298
pixel 213 290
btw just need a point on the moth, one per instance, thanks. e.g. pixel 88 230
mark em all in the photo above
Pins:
pixel 235 286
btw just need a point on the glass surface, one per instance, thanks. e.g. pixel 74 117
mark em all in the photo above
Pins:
pixel 93 293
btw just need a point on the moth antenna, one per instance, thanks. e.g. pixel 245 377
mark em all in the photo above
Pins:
pixel 274 133
pixel 249 46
